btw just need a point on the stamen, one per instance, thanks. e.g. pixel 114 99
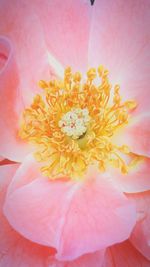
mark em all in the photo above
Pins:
pixel 73 123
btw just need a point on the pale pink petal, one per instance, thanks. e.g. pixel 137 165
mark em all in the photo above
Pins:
pixel 15 250
pixel 67 210
pixel 11 146
pixel 136 135
pixel 88 260
pixel 137 180
pixel 140 237
pixel 119 40
pixel 21 24
pixel 62 29
pixel 124 255
pixel 95 205
pixel 66 26
pixel 26 173
pixel 6 174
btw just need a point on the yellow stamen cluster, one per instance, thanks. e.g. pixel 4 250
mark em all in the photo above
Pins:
pixel 72 124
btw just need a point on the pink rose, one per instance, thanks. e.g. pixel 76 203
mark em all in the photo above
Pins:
pixel 103 219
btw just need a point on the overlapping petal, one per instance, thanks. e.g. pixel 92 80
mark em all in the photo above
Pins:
pixel 119 39
pixel 38 29
pixel 20 23
pixel 88 260
pixel 15 250
pixel 140 237
pixel 136 135
pixel 60 208
pixel 66 30
pixel 137 180
pixel 11 146
pixel 58 213
pixel 124 255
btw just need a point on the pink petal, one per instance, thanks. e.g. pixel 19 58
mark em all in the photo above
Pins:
pixel 67 210
pixel 62 29
pixel 136 135
pixel 66 27
pixel 6 174
pixel 140 237
pixel 119 40
pixel 29 166
pixel 28 38
pixel 137 180
pixel 11 146
pixel 88 260
pixel 15 250
pixel 124 255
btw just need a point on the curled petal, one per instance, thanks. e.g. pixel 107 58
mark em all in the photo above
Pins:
pixel 27 35
pixel 11 146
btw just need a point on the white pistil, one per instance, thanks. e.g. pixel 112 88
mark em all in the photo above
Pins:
pixel 74 123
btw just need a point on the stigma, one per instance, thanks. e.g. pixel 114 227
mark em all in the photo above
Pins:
pixel 74 123
pixel 71 124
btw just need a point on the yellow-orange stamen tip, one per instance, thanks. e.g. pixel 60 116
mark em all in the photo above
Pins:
pixel 43 84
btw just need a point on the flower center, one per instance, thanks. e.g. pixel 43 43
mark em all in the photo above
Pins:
pixel 72 124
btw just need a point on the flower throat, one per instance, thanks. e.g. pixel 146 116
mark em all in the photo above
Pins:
pixel 72 124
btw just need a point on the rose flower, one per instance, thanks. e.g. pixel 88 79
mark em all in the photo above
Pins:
pixel 74 103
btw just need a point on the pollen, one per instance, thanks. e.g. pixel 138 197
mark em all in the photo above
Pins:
pixel 72 124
